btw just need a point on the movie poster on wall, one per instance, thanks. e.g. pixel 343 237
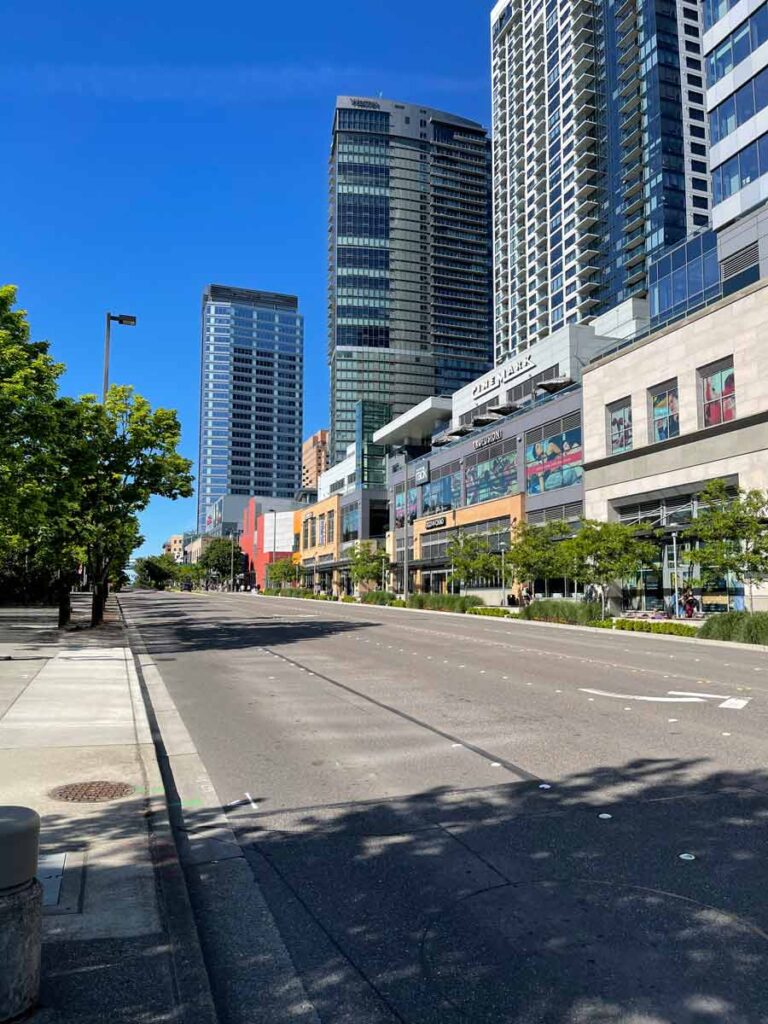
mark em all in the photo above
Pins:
pixel 554 462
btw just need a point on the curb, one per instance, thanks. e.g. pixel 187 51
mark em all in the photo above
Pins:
pixel 233 926
pixel 501 620
pixel 191 979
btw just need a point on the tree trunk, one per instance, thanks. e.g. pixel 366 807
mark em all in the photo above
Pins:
pixel 64 601
pixel 98 602
pixel 751 597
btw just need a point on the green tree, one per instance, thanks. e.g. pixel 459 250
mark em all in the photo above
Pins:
pixel 471 559
pixel 156 571
pixel 604 553
pixel 217 558
pixel 280 572
pixel 732 531
pixel 186 573
pixel 368 563
pixel 537 552
pixel 134 448
pixel 28 388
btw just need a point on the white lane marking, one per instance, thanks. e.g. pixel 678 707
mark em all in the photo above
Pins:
pixel 693 693
pixel 653 700
pixel 255 806
pixel 672 719
pixel 735 703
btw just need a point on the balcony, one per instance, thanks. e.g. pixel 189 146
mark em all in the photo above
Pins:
pixel 634 224
pixel 636 257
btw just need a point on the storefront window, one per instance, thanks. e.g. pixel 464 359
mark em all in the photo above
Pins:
pixel 718 393
pixel 493 478
pixel 321 530
pixel 665 414
pixel 413 505
pixel 553 462
pixel 620 427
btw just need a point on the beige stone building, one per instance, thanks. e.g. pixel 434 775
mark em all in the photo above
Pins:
pixel 174 547
pixel 672 411
pixel 314 459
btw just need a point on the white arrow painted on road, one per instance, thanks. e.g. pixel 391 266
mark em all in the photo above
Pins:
pixel 658 700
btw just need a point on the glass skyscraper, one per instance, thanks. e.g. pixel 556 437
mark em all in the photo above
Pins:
pixel 600 154
pixel 410 305
pixel 251 396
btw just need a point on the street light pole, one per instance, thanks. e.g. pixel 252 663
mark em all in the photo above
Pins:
pixel 503 547
pixel 674 570
pixel 274 536
pixel 405 530
pixel 126 321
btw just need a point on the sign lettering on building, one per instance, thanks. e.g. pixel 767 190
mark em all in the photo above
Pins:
pixel 435 524
pixel 421 475
pixel 366 104
pixel 486 439
pixel 503 375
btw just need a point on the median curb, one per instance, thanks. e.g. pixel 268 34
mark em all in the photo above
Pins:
pixel 501 620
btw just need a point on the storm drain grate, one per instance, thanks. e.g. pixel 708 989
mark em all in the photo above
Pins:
pixel 91 792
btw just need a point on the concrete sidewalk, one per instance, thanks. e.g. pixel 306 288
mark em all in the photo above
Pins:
pixel 119 939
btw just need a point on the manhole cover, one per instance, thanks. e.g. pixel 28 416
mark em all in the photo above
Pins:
pixel 91 792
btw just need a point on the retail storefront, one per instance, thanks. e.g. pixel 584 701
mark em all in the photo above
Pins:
pixel 665 416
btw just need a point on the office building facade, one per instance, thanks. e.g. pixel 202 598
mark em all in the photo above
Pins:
pixel 251 396
pixel 600 155
pixel 410 308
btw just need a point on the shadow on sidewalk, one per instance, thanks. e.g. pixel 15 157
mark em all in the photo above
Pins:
pixel 523 905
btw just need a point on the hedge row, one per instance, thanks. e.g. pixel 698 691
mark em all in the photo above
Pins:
pixel 743 627
pixel 499 613
pixel 647 626
pixel 577 613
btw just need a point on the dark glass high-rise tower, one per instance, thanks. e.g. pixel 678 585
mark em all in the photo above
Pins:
pixel 600 154
pixel 251 394
pixel 410 305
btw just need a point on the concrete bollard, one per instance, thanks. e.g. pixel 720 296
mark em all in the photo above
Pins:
pixel 21 911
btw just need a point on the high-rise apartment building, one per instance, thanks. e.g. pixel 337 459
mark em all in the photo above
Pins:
pixel 600 154
pixel 314 459
pixel 251 395
pixel 410 305
pixel 737 100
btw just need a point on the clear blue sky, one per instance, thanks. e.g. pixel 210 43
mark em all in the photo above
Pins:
pixel 151 148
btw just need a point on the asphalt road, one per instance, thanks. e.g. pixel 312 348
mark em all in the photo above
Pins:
pixel 449 826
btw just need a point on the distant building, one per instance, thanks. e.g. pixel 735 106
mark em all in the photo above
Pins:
pixel 314 459
pixel 174 547
pixel 410 310
pixel 251 396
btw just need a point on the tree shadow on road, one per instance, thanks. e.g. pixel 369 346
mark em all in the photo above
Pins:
pixel 617 896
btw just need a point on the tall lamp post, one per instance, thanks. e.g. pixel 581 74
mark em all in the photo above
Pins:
pixel 674 568
pixel 503 547
pixel 232 558
pixel 126 321
pixel 404 452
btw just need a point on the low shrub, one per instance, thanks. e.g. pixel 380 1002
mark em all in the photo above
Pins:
pixel 348 599
pixel 397 603
pixel 741 627
pixel 573 612
pixel 500 613
pixel 444 602
pixel 647 626
pixel 378 597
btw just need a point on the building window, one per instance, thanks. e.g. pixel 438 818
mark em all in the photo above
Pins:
pixel 665 415
pixel 620 426
pixel 718 393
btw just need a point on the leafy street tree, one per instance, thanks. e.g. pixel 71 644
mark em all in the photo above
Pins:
pixel 136 459
pixel 732 530
pixel 217 557
pixel 368 564
pixel 156 571
pixel 471 559
pixel 280 572
pixel 28 387
pixel 74 473
pixel 186 573
pixel 536 552
pixel 603 553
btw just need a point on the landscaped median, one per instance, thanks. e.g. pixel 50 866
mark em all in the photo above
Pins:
pixel 741 627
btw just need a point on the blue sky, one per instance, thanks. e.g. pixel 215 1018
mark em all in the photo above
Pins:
pixel 151 148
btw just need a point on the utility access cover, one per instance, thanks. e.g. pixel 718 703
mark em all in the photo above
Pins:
pixel 91 792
